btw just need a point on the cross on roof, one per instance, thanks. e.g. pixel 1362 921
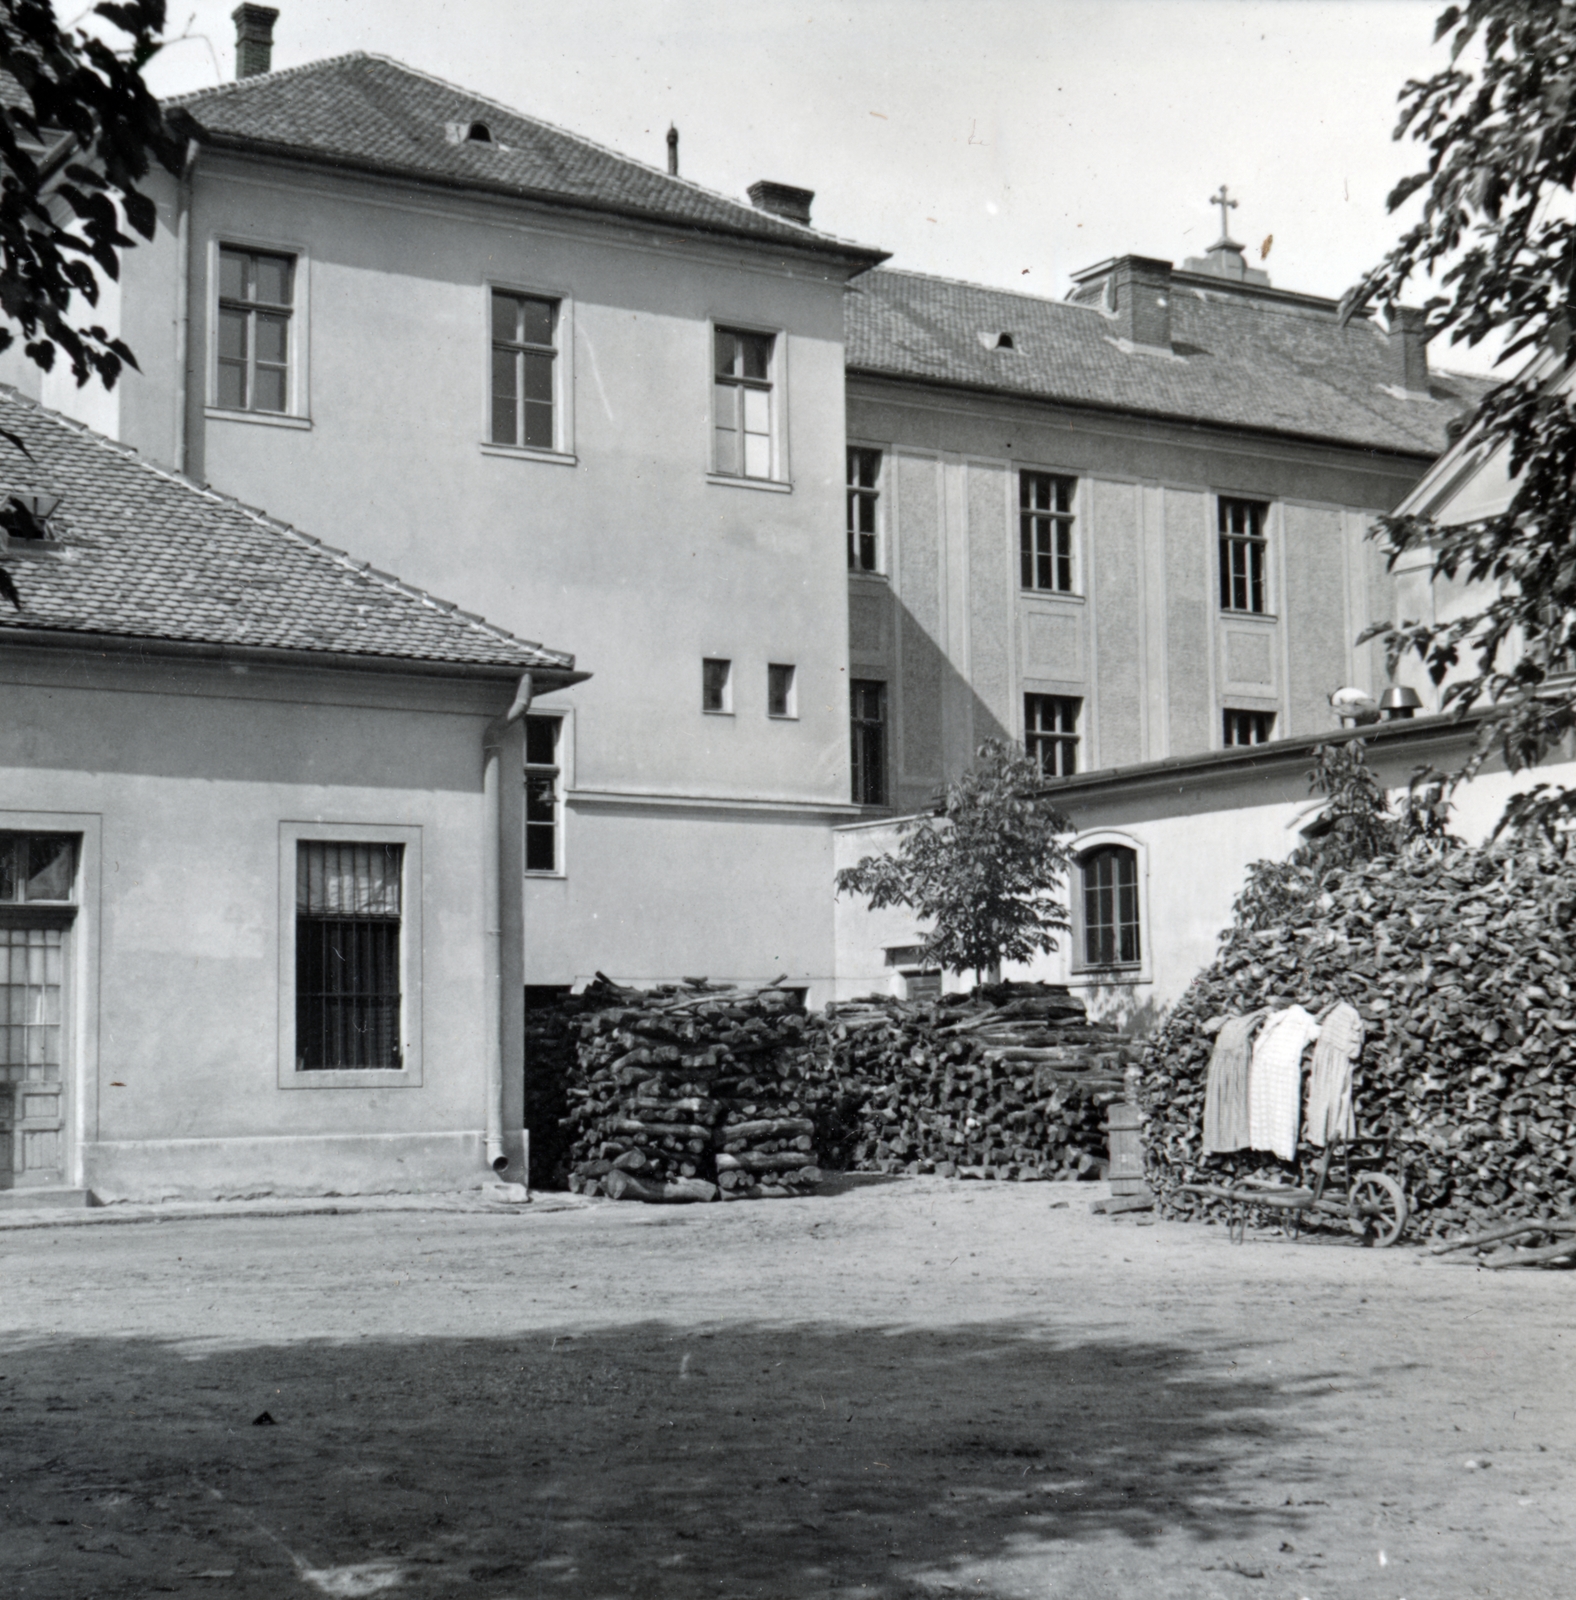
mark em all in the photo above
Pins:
pixel 1226 205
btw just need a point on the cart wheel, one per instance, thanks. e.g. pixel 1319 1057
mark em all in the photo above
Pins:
pixel 1378 1208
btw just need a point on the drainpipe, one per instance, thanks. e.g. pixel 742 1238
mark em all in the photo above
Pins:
pixel 183 295
pixel 492 904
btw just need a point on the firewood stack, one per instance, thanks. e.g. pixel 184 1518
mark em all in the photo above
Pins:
pixel 1462 971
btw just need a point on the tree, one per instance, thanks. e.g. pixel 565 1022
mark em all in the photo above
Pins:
pixel 983 868
pixel 78 133
pixel 1497 234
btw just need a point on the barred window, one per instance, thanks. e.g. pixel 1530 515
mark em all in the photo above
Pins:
pixel 1045 531
pixel 1242 555
pixel 1247 727
pixel 348 916
pixel 1110 893
pixel 864 507
pixel 1050 723
pixel 541 794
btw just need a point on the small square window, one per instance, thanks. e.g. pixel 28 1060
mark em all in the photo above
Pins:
pixel 1050 724
pixel 781 700
pixel 716 692
pixel 1247 727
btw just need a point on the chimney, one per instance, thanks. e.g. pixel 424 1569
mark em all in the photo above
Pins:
pixel 1408 352
pixel 782 200
pixel 254 39
pixel 1139 292
pixel 673 151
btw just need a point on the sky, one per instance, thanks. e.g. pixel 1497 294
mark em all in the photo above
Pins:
pixel 1006 142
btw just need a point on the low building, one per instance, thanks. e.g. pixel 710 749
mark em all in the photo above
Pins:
pixel 252 837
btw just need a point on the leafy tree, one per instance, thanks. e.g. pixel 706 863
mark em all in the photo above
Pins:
pixel 1497 235
pixel 79 131
pixel 983 868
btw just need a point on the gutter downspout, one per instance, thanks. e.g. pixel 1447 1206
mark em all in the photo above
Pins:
pixel 492 902
pixel 183 296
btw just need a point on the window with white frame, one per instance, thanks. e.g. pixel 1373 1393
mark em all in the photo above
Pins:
pixel 256 305
pixel 1246 727
pixel 524 409
pixel 1045 531
pixel 742 401
pixel 349 905
pixel 1244 559
pixel 1050 724
pixel 543 772
pixel 1111 936
pixel 864 509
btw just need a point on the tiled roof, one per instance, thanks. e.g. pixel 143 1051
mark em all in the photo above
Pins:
pixel 366 112
pixel 1265 363
pixel 146 554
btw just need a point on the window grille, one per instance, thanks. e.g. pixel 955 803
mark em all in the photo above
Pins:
pixel 743 402
pixel 1110 887
pixel 1242 555
pixel 256 294
pixel 1051 733
pixel 524 348
pixel 868 723
pixel 1247 727
pixel 1045 531
pixel 864 504
pixel 348 914
pixel 541 794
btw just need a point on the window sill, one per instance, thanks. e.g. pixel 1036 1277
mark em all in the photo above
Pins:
pixel 266 419
pixel 1257 616
pixel 1066 595
pixel 558 458
pixel 538 873
pixel 1111 974
pixel 707 711
pixel 352 1078
pixel 782 716
pixel 769 485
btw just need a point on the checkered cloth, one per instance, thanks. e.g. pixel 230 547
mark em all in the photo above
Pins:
pixel 1275 1081
pixel 1330 1116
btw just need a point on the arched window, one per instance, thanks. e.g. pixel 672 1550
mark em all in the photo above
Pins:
pixel 479 133
pixel 1110 907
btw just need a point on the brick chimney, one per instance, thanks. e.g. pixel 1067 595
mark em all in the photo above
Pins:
pixel 254 39
pixel 782 200
pixel 1408 352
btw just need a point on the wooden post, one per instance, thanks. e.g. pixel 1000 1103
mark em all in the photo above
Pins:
pixel 1124 1120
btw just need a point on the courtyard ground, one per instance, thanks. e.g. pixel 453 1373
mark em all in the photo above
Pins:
pixel 900 1389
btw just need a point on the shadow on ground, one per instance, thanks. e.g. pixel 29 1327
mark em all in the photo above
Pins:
pixel 644 1460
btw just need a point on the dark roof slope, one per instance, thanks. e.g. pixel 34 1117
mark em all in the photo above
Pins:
pixel 146 554
pixel 365 112
pixel 1237 360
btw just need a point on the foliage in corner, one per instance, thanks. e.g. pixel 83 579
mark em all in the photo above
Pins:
pixel 983 870
pixel 1497 237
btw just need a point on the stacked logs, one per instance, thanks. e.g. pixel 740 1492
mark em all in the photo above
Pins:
pixel 1460 967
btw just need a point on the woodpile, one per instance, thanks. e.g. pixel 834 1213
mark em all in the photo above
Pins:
pixel 1460 967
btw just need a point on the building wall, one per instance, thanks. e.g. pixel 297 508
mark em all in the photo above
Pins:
pixel 182 782
pixel 1142 640
pixel 624 547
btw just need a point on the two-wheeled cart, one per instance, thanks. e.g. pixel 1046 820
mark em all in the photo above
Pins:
pixel 1346 1182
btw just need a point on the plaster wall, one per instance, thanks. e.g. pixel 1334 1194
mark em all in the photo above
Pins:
pixel 179 779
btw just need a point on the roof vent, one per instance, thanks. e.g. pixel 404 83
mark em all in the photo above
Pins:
pixel 782 200
pixel 479 133
pixel 254 39
pixel 996 340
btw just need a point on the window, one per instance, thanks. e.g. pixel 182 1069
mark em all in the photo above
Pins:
pixel 1242 562
pixel 743 402
pixel 347 954
pixel 1045 531
pixel 524 349
pixel 1110 897
pixel 256 293
pixel 1050 724
pixel 868 721
pixel 541 793
pixel 36 867
pixel 864 502
pixel 1247 727
pixel 716 685
pixel 781 699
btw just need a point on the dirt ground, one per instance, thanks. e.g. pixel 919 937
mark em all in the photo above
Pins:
pixel 906 1388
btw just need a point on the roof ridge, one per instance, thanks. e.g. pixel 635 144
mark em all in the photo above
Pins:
pixel 230 85
pixel 985 288
pixel 341 558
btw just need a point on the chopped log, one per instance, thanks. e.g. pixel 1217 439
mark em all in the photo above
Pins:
pixel 1531 1258
pixel 1510 1231
pixel 676 1191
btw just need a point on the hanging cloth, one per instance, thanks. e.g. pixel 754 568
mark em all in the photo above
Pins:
pixel 1275 1081
pixel 1330 1115
pixel 1226 1088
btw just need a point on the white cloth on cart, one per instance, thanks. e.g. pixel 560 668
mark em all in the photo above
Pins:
pixel 1275 1080
pixel 1330 1114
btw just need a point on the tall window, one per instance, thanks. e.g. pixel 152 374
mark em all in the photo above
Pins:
pixel 541 794
pixel 256 292
pixel 1110 893
pixel 524 330
pixel 1242 555
pixel 782 699
pixel 1050 723
pixel 1247 727
pixel 716 685
pixel 864 504
pixel 868 722
pixel 1045 531
pixel 743 402
pixel 348 905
